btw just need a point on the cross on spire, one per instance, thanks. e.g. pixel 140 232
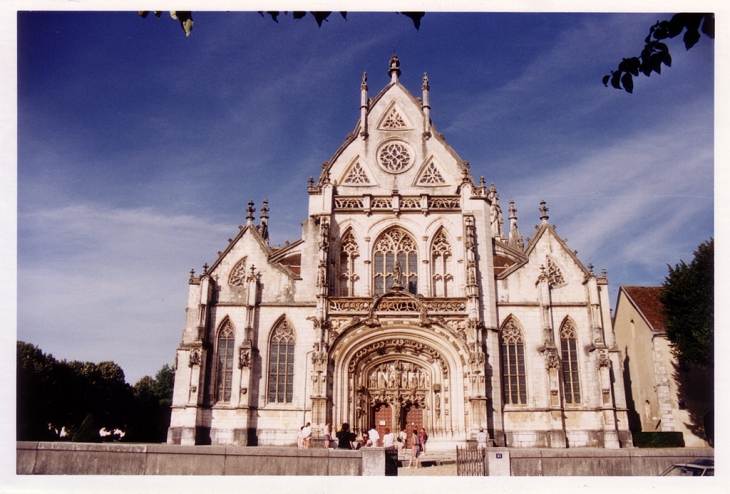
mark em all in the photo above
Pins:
pixel 250 210
pixel 544 210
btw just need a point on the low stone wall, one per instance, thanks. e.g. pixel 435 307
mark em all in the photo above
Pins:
pixel 58 458
pixel 600 462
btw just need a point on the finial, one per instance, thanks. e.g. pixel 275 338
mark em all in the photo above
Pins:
pixel 482 182
pixel 603 272
pixel 192 274
pixel 265 210
pixel 424 85
pixel 394 70
pixel 512 209
pixel 364 84
pixel 590 268
pixel 311 181
pixel 205 268
pixel 249 210
pixel 544 210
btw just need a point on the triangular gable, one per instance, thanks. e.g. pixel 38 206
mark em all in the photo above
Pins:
pixel 394 118
pixel 430 175
pixel 357 175
pixel 543 228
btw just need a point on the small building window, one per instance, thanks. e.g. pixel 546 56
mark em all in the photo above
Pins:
pixel 571 381
pixel 281 364
pixel 224 363
pixel 514 381
pixel 442 278
pixel 349 255
pixel 395 247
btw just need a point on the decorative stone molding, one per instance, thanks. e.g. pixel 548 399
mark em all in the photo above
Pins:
pixel 238 274
pixel 602 359
pixel 195 357
pixel 552 360
pixel 244 358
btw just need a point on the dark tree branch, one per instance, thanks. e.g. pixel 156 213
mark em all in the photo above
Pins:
pixel 656 53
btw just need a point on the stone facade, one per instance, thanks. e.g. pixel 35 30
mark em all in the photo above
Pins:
pixel 663 396
pixel 405 302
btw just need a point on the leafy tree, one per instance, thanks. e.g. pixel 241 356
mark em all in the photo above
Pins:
pixel 153 400
pixel 88 432
pixel 687 296
pixel 186 17
pixel 656 53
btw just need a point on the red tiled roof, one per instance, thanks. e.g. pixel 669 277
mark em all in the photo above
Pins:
pixel 646 299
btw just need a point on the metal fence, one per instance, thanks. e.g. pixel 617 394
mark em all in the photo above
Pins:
pixel 470 462
pixel 391 461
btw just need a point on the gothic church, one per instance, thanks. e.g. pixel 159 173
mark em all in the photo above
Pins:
pixel 405 302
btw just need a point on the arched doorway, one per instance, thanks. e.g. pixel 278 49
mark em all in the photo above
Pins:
pixel 383 418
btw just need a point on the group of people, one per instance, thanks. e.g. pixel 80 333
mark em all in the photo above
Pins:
pixel 415 442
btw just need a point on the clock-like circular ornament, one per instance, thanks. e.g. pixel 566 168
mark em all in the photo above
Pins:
pixel 395 156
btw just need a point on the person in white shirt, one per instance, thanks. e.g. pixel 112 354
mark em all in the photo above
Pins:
pixel 388 438
pixel 374 436
pixel 482 438
pixel 307 436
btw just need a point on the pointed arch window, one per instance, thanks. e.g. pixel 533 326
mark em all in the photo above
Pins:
pixel 395 247
pixel 281 364
pixel 568 347
pixel 224 363
pixel 514 382
pixel 442 278
pixel 349 257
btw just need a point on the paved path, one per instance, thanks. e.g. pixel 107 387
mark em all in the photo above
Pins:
pixel 430 471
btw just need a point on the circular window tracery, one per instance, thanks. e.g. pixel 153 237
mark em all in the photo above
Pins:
pixel 395 157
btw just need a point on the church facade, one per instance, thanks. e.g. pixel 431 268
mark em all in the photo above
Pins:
pixel 404 303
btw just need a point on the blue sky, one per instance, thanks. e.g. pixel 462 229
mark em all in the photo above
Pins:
pixel 138 148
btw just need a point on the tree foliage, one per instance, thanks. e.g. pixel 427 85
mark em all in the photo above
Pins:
pixel 687 296
pixel 53 396
pixel 656 53
pixel 186 17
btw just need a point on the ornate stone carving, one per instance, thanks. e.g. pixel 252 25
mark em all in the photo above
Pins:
pixel 394 157
pixel 394 121
pixel 381 203
pixel 431 176
pixel 356 176
pixel 552 360
pixel 195 357
pixel 444 203
pixel 602 359
pixel 348 203
pixel 555 276
pixel 410 203
pixel 244 358
pixel 238 274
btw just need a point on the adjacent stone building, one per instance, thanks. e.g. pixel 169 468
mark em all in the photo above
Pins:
pixel 664 395
pixel 404 303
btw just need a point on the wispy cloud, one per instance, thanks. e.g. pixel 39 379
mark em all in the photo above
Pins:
pixel 99 283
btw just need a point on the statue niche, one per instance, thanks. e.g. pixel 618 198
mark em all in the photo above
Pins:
pixel 401 376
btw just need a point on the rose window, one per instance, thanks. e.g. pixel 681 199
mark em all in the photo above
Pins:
pixel 394 157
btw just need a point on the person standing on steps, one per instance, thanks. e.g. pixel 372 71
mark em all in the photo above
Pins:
pixel 415 448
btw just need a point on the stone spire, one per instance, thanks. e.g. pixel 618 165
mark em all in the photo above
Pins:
pixel 426 107
pixel 249 213
pixel 515 239
pixel 364 106
pixel 394 70
pixel 264 221
pixel 544 210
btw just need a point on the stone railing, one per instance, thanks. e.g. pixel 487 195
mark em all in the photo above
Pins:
pixel 63 458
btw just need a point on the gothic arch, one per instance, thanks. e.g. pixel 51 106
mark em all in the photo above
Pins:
pixel 570 361
pixel 225 338
pixel 280 371
pixel 395 256
pixel 439 357
pixel 513 360
pixel 348 264
pixel 442 264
